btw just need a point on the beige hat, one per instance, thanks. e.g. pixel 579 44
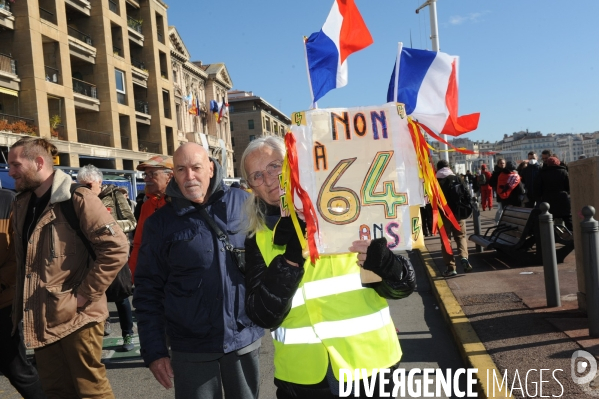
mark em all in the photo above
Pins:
pixel 158 161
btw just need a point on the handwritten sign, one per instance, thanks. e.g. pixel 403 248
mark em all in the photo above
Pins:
pixel 359 168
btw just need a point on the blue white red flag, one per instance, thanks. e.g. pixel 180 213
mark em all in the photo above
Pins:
pixel 222 110
pixel 428 86
pixel 343 33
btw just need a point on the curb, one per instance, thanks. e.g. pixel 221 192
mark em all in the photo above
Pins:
pixel 471 349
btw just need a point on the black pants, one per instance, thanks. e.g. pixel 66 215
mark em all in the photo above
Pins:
pixel 13 361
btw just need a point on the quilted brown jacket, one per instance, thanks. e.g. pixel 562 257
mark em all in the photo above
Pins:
pixel 57 267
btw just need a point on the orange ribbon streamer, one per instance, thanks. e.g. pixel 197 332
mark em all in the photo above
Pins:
pixel 295 188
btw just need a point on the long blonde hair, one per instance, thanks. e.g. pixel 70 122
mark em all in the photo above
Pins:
pixel 254 207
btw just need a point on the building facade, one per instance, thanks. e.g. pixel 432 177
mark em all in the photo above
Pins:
pixel 252 117
pixel 94 76
pixel 195 85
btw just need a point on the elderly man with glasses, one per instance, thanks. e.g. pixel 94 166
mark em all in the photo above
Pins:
pixel 157 173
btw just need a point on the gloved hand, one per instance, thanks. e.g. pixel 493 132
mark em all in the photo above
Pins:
pixel 285 234
pixel 380 260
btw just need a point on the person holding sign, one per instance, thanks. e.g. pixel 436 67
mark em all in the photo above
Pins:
pixel 323 317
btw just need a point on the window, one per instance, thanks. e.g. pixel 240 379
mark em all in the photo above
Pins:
pixel 232 140
pixel 175 76
pixel 252 137
pixel 120 86
pixel 250 123
pixel 231 108
pixel 231 125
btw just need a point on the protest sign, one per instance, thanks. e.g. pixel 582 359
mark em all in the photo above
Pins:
pixel 359 168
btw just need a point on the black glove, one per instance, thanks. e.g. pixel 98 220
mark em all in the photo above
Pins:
pixel 380 260
pixel 285 234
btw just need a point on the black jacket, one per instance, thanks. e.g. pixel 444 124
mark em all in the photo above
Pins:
pixel 529 176
pixel 514 198
pixel 553 186
pixel 270 288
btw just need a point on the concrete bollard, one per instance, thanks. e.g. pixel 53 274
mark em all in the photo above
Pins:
pixel 476 221
pixel 549 257
pixel 590 249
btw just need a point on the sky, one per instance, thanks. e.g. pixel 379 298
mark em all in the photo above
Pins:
pixel 524 64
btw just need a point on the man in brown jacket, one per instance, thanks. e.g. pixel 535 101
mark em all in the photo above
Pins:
pixel 60 288
pixel 13 361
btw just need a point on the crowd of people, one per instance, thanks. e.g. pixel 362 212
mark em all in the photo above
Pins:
pixel 212 266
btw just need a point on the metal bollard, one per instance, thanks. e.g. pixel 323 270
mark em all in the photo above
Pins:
pixel 590 251
pixel 549 257
pixel 476 221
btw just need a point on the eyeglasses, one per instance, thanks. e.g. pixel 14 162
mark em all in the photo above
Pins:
pixel 272 169
pixel 151 174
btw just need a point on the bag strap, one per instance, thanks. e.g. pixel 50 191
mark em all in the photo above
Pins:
pixel 217 230
pixel 68 210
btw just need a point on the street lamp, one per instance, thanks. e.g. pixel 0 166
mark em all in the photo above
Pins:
pixel 432 7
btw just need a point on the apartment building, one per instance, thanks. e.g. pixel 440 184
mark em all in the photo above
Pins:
pixel 195 86
pixel 95 76
pixel 252 117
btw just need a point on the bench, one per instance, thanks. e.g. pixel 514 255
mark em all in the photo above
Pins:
pixel 515 230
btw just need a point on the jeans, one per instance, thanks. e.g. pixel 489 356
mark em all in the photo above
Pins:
pixel 123 307
pixel 13 361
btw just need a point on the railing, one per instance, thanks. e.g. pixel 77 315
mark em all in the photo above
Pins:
pixel 14 119
pixel 51 74
pixel 125 143
pixel 95 138
pixel 134 24
pixel 138 63
pixel 117 51
pixel 80 35
pixel 160 37
pixel 59 133
pixel 47 15
pixel 113 6
pixel 147 146
pixel 4 5
pixel 121 98
pixel 142 106
pixel 8 64
pixel 87 89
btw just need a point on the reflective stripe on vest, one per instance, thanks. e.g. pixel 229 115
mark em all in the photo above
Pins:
pixel 327 286
pixel 333 329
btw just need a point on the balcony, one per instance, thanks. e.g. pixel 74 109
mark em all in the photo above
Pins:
pixel 85 95
pixel 112 6
pixel 160 37
pixel 82 6
pixel 17 124
pixel 81 45
pixel 142 106
pixel 148 146
pixel 117 51
pixel 52 74
pixel 125 143
pixel 134 29
pixel 121 98
pixel 59 133
pixel 139 73
pixel 7 20
pixel 94 138
pixel 47 16
pixel 142 112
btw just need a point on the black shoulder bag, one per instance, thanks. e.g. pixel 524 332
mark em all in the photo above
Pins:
pixel 238 254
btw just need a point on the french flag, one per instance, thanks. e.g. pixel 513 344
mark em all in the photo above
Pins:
pixel 343 33
pixel 428 86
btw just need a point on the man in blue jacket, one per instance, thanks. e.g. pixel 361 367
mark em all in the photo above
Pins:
pixel 188 283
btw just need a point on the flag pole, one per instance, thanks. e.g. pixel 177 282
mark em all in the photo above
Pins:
pixel 399 48
pixel 313 105
pixel 432 8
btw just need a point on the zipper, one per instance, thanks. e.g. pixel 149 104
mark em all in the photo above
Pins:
pixel 52 241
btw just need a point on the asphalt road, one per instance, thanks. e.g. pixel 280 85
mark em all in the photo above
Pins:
pixel 425 340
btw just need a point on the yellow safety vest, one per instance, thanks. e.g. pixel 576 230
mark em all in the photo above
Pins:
pixel 332 317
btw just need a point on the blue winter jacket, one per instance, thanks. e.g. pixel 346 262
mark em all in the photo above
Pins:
pixel 186 282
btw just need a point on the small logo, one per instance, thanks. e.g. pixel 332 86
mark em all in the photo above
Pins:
pixel 583 362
